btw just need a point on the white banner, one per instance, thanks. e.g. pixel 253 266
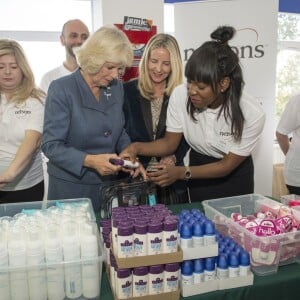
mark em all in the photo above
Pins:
pixel 256 43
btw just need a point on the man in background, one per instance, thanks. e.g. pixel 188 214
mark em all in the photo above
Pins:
pixel 74 34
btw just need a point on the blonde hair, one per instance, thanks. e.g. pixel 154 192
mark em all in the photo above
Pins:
pixel 107 44
pixel 27 87
pixel 168 42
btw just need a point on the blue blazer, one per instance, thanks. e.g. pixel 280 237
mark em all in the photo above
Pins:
pixel 76 124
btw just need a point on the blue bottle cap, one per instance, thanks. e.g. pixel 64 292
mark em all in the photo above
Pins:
pixel 222 261
pixel 184 212
pixel 197 229
pixel 192 220
pixel 244 258
pixel 209 228
pixel 232 245
pixel 195 211
pixel 210 263
pixel 180 222
pixel 185 231
pixel 233 260
pixel 199 265
pixel 187 267
pixel 219 236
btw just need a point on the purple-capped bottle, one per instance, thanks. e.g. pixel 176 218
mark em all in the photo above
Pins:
pixel 154 239
pixel 171 277
pixel 140 281
pixel 124 283
pixel 125 239
pixel 156 279
pixel 140 245
pixel 170 236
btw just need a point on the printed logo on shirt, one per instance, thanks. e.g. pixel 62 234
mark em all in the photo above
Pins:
pixel 22 112
pixel 225 133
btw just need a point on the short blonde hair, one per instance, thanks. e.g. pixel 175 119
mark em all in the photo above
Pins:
pixel 27 88
pixel 168 42
pixel 107 44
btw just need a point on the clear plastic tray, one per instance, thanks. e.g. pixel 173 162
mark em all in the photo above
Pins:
pixel 267 253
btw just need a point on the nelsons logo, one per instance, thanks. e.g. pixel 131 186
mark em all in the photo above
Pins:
pixel 250 50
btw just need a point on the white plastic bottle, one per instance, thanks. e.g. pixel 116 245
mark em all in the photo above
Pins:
pixel 54 260
pixel 17 258
pixel 71 250
pixel 4 276
pixel 90 264
pixel 36 265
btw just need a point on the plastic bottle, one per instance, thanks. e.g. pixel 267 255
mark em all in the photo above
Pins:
pixel 124 283
pixel 17 258
pixel 54 261
pixel 36 264
pixel 222 266
pixel 90 264
pixel 125 239
pixel 233 265
pixel 198 270
pixel 187 267
pixel 209 269
pixel 4 275
pixel 197 234
pixel 140 281
pixel 244 263
pixel 155 238
pixel 209 233
pixel 140 244
pixel 71 250
pixel 186 236
pixel 156 279
pixel 171 277
pixel 170 236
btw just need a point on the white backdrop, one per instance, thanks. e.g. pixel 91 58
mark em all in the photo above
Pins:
pixel 256 41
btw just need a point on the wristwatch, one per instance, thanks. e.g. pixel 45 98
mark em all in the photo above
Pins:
pixel 187 173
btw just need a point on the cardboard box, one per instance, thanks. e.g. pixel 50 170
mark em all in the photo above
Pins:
pixel 149 260
pixel 164 296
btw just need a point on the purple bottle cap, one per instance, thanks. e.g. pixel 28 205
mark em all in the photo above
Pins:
pixel 155 227
pixel 156 269
pixel 125 229
pixel 172 267
pixel 140 271
pixel 123 273
pixel 170 225
pixel 105 223
pixel 140 228
pixel 116 221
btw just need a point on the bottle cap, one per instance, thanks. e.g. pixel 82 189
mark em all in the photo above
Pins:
pixel 199 265
pixel 156 269
pixel 244 258
pixel 170 225
pixel 233 260
pixel 155 227
pixel 209 228
pixel 210 263
pixel 123 273
pixel 187 267
pixel 185 231
pixel 197 229
pixel 140 228
pixel 140 271
pixel 172 267
pixel 222 261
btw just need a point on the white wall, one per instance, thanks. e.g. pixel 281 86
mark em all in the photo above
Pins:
pixel 113 11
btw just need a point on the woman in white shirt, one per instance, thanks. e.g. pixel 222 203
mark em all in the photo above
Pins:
pixel 289 125
pixel 21 125
pixel 221 124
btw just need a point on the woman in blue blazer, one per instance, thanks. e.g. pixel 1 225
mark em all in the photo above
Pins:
pixel 84 120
